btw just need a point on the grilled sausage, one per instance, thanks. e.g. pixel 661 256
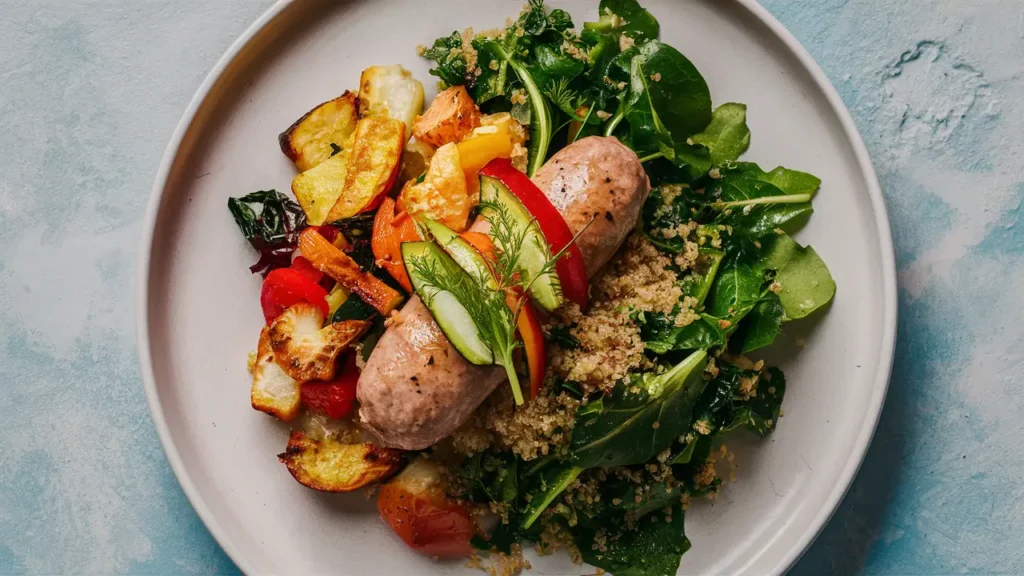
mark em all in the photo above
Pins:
pixel 416 389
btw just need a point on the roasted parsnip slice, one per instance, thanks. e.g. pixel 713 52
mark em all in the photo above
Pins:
pixel 273 391
pixel 307 350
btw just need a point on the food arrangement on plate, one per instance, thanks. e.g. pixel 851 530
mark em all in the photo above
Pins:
pixel 528 312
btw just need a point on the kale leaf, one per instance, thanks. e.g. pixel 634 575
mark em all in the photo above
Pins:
pixel 271 222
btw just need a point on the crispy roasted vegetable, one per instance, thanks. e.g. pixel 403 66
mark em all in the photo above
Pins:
pixel 390 91
pixel 318 188
pixel 307 350
pixel 273 391
pixel 442 195
pixel 331 466
pixel 373 162
pixel 331 261
pixel 451 116
pixel 309 141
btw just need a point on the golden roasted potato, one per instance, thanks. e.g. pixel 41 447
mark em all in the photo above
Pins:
pixel 451 116
pixel 390 91
pixel 331 466
pixel 442 195
pixel 308 141
pixel 273 391
pixel 373 162
pixel 307 350
pixel 318 188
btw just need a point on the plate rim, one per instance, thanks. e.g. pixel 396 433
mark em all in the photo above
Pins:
pixel 850 131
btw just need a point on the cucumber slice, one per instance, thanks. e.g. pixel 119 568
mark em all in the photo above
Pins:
pixel 463 253
pixel 544 288
pixel 455 321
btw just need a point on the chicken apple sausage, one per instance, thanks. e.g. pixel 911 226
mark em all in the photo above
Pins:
pixel 416 388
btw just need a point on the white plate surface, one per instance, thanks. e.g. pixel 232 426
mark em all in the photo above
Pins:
pixel 199 313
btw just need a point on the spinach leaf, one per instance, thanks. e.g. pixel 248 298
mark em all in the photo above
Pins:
pixel 665 209
pixel 727 136
pixel 552 482
pixel 806 283
pixel 624 16
pixel 761 413
pixel 493 476
pixel 653 548
pixel 661 335
pixel 642 417
pixel 668 100
pixel 761 326
pixel 791 182
pixel 639 501
pixel 697 284
pixel 562 337
pixel 763 220
pixel 739 284
pixel 271 222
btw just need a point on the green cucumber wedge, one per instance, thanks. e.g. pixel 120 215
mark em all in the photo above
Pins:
pixel 464 254
pixel 544 288
pixel 455 321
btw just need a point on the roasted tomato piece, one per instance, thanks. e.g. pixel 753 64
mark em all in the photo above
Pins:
pixel 415 506
pixel 285 287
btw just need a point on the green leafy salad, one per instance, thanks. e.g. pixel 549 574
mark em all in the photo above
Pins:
pixel 615 457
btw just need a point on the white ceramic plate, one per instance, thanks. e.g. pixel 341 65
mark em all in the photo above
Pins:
pixel 199 313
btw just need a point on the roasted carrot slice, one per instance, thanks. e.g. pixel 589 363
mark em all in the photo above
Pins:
pixel 336 264
pixel 385 244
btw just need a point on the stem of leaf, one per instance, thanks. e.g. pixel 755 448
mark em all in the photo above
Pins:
pixel 513 379
pixel 787 199
pixel 614 122
pixel 654 156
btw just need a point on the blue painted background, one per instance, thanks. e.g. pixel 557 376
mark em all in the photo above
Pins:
pixel 89 95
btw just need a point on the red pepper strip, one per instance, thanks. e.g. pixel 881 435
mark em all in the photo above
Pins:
pixel 572 272
pixel 284 287
pixel 306 268
pixel 334 398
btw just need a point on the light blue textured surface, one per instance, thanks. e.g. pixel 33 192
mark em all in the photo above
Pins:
pixel 89 95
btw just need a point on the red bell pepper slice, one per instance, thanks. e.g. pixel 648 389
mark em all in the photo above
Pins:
pixel 333 399
pixel 284 287
pixel 572 272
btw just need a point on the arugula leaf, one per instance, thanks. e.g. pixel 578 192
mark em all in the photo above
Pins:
pixel 727 136
pixel 271 222
pixel 653 548
pixel 661 335
pixel 624 16
pixel 642 417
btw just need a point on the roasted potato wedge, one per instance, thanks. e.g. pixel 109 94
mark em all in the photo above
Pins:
pixel 308 141
pixel 273 391
pixel 373 162
pixel 451 116
pixel 442 195
pixel 331 466
pixel 318 188
pixel 307 350
pixel 390 91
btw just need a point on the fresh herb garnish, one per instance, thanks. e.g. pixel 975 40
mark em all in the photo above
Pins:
pixel 271 222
